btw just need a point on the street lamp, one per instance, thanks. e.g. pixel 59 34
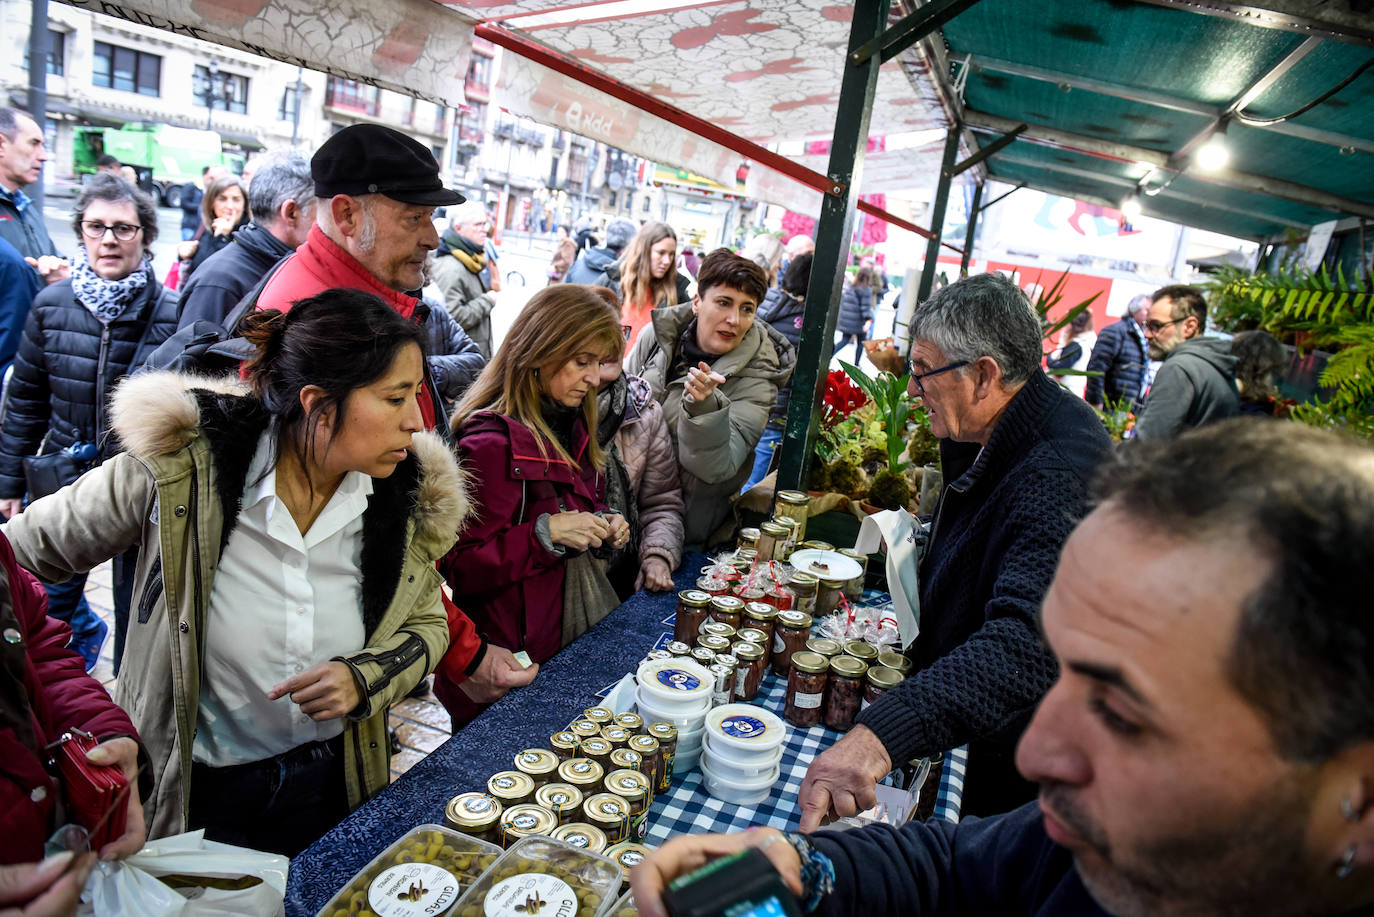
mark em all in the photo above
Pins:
pixel 212 87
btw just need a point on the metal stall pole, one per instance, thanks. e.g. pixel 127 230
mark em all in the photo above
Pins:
pixel 972 227
pixel 37 99
pixel 833 231
pixel 937 214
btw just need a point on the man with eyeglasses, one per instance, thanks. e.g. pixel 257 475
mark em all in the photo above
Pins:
pixel 1017 452
pixel 1197 383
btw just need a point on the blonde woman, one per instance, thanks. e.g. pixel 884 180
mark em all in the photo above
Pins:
pixel 521 569
pixel 647 275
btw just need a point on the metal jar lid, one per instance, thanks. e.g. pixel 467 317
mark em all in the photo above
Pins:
pixel 758 611
pixel 880 676
pixel 631 721
pixel 860 556
pixel 805 661
pixel 618 736
pixel 815 544
pixel 746 651
pixel 646 745
pixel 750 635
pixel 559 798
pixel 727 603
pixel 694 597
pixel 598 715
pixel 717 629
pixel 537 762
pixel 629 784
pixel 799 620
pixel 848 666
pixel 831 583
pixel 773 530
pixel 581 772
pixel 895 661
pixel 473 812
pixel 623 758
pixel 597 747
pixel 525 820
pixel 628 855
pixel 793 497
pixel 703 654
pixel 585 729
pixel 801 581
pixel 678 648
pixel 607 809
pixel 824 645
pixel 580 834
pixel 713 643
pixel 510 785
pixel 565 741
pixel 861 650
pixel 664 732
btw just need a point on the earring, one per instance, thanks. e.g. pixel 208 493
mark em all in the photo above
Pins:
pixel 1348 811
pixel 1347 863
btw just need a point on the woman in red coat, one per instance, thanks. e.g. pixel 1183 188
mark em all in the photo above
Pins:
pixel 539 483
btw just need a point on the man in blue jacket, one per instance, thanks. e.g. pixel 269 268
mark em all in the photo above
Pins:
pixel 1208 747
pixel 1120 357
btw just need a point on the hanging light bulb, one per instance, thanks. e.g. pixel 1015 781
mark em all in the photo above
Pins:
pixel 1130 208
pixel 1214 154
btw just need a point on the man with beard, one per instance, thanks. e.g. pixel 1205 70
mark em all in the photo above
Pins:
pixel 1197 383
pixel 1208 748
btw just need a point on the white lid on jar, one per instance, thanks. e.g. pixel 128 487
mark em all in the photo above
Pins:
pixel 674 684
pixel 745 728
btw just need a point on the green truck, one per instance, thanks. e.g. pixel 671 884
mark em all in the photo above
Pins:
pixel 164 157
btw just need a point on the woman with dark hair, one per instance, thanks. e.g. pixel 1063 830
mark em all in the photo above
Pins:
pixel 646 276
pixel 522 570
pixel 856 311
pixel 222 211
pixel 81 337
pixel 1260 358
pixel 286 584
pixel 1076 342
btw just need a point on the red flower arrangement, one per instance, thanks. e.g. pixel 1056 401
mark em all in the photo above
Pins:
pixel 842 398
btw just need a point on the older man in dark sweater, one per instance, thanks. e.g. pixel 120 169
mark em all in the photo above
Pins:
pixel 1018 452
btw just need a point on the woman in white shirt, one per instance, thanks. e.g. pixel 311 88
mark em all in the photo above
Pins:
pixel 286 590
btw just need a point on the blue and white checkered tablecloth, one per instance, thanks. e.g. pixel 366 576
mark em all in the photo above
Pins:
pixel 686 808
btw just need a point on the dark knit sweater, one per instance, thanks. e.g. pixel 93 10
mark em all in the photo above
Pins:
pixel 979 664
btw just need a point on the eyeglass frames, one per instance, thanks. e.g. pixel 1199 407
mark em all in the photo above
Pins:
pixel 94 229
pixel 1154 326
pixel 919 378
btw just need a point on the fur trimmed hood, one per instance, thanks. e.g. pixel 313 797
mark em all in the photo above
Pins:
pixel 160 413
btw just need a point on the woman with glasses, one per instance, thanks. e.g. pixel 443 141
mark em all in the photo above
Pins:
pixel 82 336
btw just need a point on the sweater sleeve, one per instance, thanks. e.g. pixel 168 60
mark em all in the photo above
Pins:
pixel 1166 409
pixel 1004 668
pixel 715 443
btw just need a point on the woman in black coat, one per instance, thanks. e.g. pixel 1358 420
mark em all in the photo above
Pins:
pixel 82 335
pixel 856 311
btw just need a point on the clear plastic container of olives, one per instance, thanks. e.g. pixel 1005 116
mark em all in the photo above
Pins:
pixel 430 861
pixel 564 880
pixel 624 907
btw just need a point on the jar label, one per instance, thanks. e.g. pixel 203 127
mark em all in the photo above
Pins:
pixel 524 822
pixel 630 858
pixel 678 680
pixel 503 783
pixel 577 839
pixel 581 767
pixel 613 809
pixel 530 893
pixel 478 805
pixel 744 727
pixel 778 644
pixel 740 677
pixel 560 798
pixel 412 890
pixel 530 757
pixel 806 701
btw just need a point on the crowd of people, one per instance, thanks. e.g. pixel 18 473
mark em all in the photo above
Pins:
pixel 1157 654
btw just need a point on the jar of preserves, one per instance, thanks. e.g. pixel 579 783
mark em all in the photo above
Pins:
pixel 633 787
pixel 748 671
pixel 627 856
pixel 771 535
pixel 794 504
pixel 748 538
pixel 598 715
pixel 693 607
pixel 580 834
pixel 648 748
pixel 510 788
pixel 715 628
pixel 598 749
pixel 525 821
pixel 754 635
pixel 726 659
pixel 817 545
pixel 787 545
pixel 865 652
pixel 610 813
pixel 713 585
pixel 562 799
pixel 583 773
pixel 704 655
pixel 618 736
pixel 744 559
pixel 727 609
pixel 778 597
pixel 723 677
pixel 678 648
pixel 713 643
pixel 657 654
pixel 878 681
pixel 631 721
pixel 846 692
pixel 538 763
pixel 896 661
pixel 789 636
pixel 761 617
pixel 854 588
pixel 828 596
pixel 565 744
pixel 584 729
pixel 825 646
pixel 623 758
pixel 666 733
pixel 803 587
pixel 805 689
pixel 476 815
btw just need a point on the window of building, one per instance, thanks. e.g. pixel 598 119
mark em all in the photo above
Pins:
pixel 479 70
pixel 126 69
pixel 290 104
pixel 57 53
pixel 223 91
pixel 351 94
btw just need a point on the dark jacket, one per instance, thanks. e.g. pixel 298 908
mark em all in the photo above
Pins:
pixel 67 365
pixel 1119 355
pixel 856 308
pixel 453 358
pixel 980 666
pixel 785 315
pixel 27 231
pixel 208 246
pixel 1195 386
pixel 228 274
pixel 502 576
pixel 44 691
pixel 191 196
pixel 19 284
pixel 592 266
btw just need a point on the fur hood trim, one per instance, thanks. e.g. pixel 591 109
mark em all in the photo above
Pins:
pixel 156 413
pixel 443 500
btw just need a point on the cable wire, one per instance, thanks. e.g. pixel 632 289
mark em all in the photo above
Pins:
pixel 1261 122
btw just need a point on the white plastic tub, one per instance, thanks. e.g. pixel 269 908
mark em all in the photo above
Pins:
pixel 738 792
pixel 653 713
pixel 732 768
pixel 675 685
pixel 745 732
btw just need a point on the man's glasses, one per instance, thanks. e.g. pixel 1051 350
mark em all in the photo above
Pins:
pixel 94 229
pixel 919 378
pixel 1154 326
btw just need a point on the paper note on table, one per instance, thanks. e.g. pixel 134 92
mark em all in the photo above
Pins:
pixel 897 529
pixel 523 658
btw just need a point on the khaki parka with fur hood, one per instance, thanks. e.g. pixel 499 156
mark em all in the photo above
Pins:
pixel 177 490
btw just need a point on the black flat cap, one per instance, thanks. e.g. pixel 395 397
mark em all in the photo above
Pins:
pixel 372 159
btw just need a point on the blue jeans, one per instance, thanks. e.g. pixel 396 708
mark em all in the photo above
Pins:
pixel 187 234
pixel 763 454
pixel 67 602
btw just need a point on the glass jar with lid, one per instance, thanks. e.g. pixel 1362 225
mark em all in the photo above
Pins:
pixel 704 655
pixel 618 736
pixel 846 692
pixel 525 820
pixel 631 721
pixel 510 788
pixel 562 799
pixel 476 815
pixel 610 813
pixel 760 616
pixel 584 729
pixel 854 588
pixel 789 636
pixel 565 744
pixel 633 787
pixel 825 646
pixel 828 596
pixel 878 681
pixel 748 538
pixel 666 733
pixel 648 748
pixel 538 763
pixel 580 834
pixel 817 545
pixel 715 628
pixel 713 643
pixel 787 546
pixel 693 607
pixel 748 670
pixel 754 635
pixel 727 610
pixel 862 650
pixel 794 504
pixel 623 758
pixel 678 648
pixel 896 661
pixel 598 715
pixel 598 749
pixel 803 587
pixel 771 536
pixel 583 773
pixel 805 689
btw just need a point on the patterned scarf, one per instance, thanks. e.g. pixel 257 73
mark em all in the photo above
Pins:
pixel 472 257
pixel 107 299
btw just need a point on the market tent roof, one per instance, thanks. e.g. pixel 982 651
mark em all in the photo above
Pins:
pixel 1115 91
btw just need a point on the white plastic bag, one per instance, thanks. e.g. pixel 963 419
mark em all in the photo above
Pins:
pixel 130 887
pixel 897 529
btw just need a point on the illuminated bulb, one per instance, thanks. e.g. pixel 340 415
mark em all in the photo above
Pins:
pixel 1213 155
pixel 1131 207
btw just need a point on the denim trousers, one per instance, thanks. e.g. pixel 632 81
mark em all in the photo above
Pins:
pixel 281 804
pixel 67 602
pixel 763 454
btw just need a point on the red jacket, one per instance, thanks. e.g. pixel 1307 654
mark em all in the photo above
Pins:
pixel 500 573
pixel 319 265
pixel 44 691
